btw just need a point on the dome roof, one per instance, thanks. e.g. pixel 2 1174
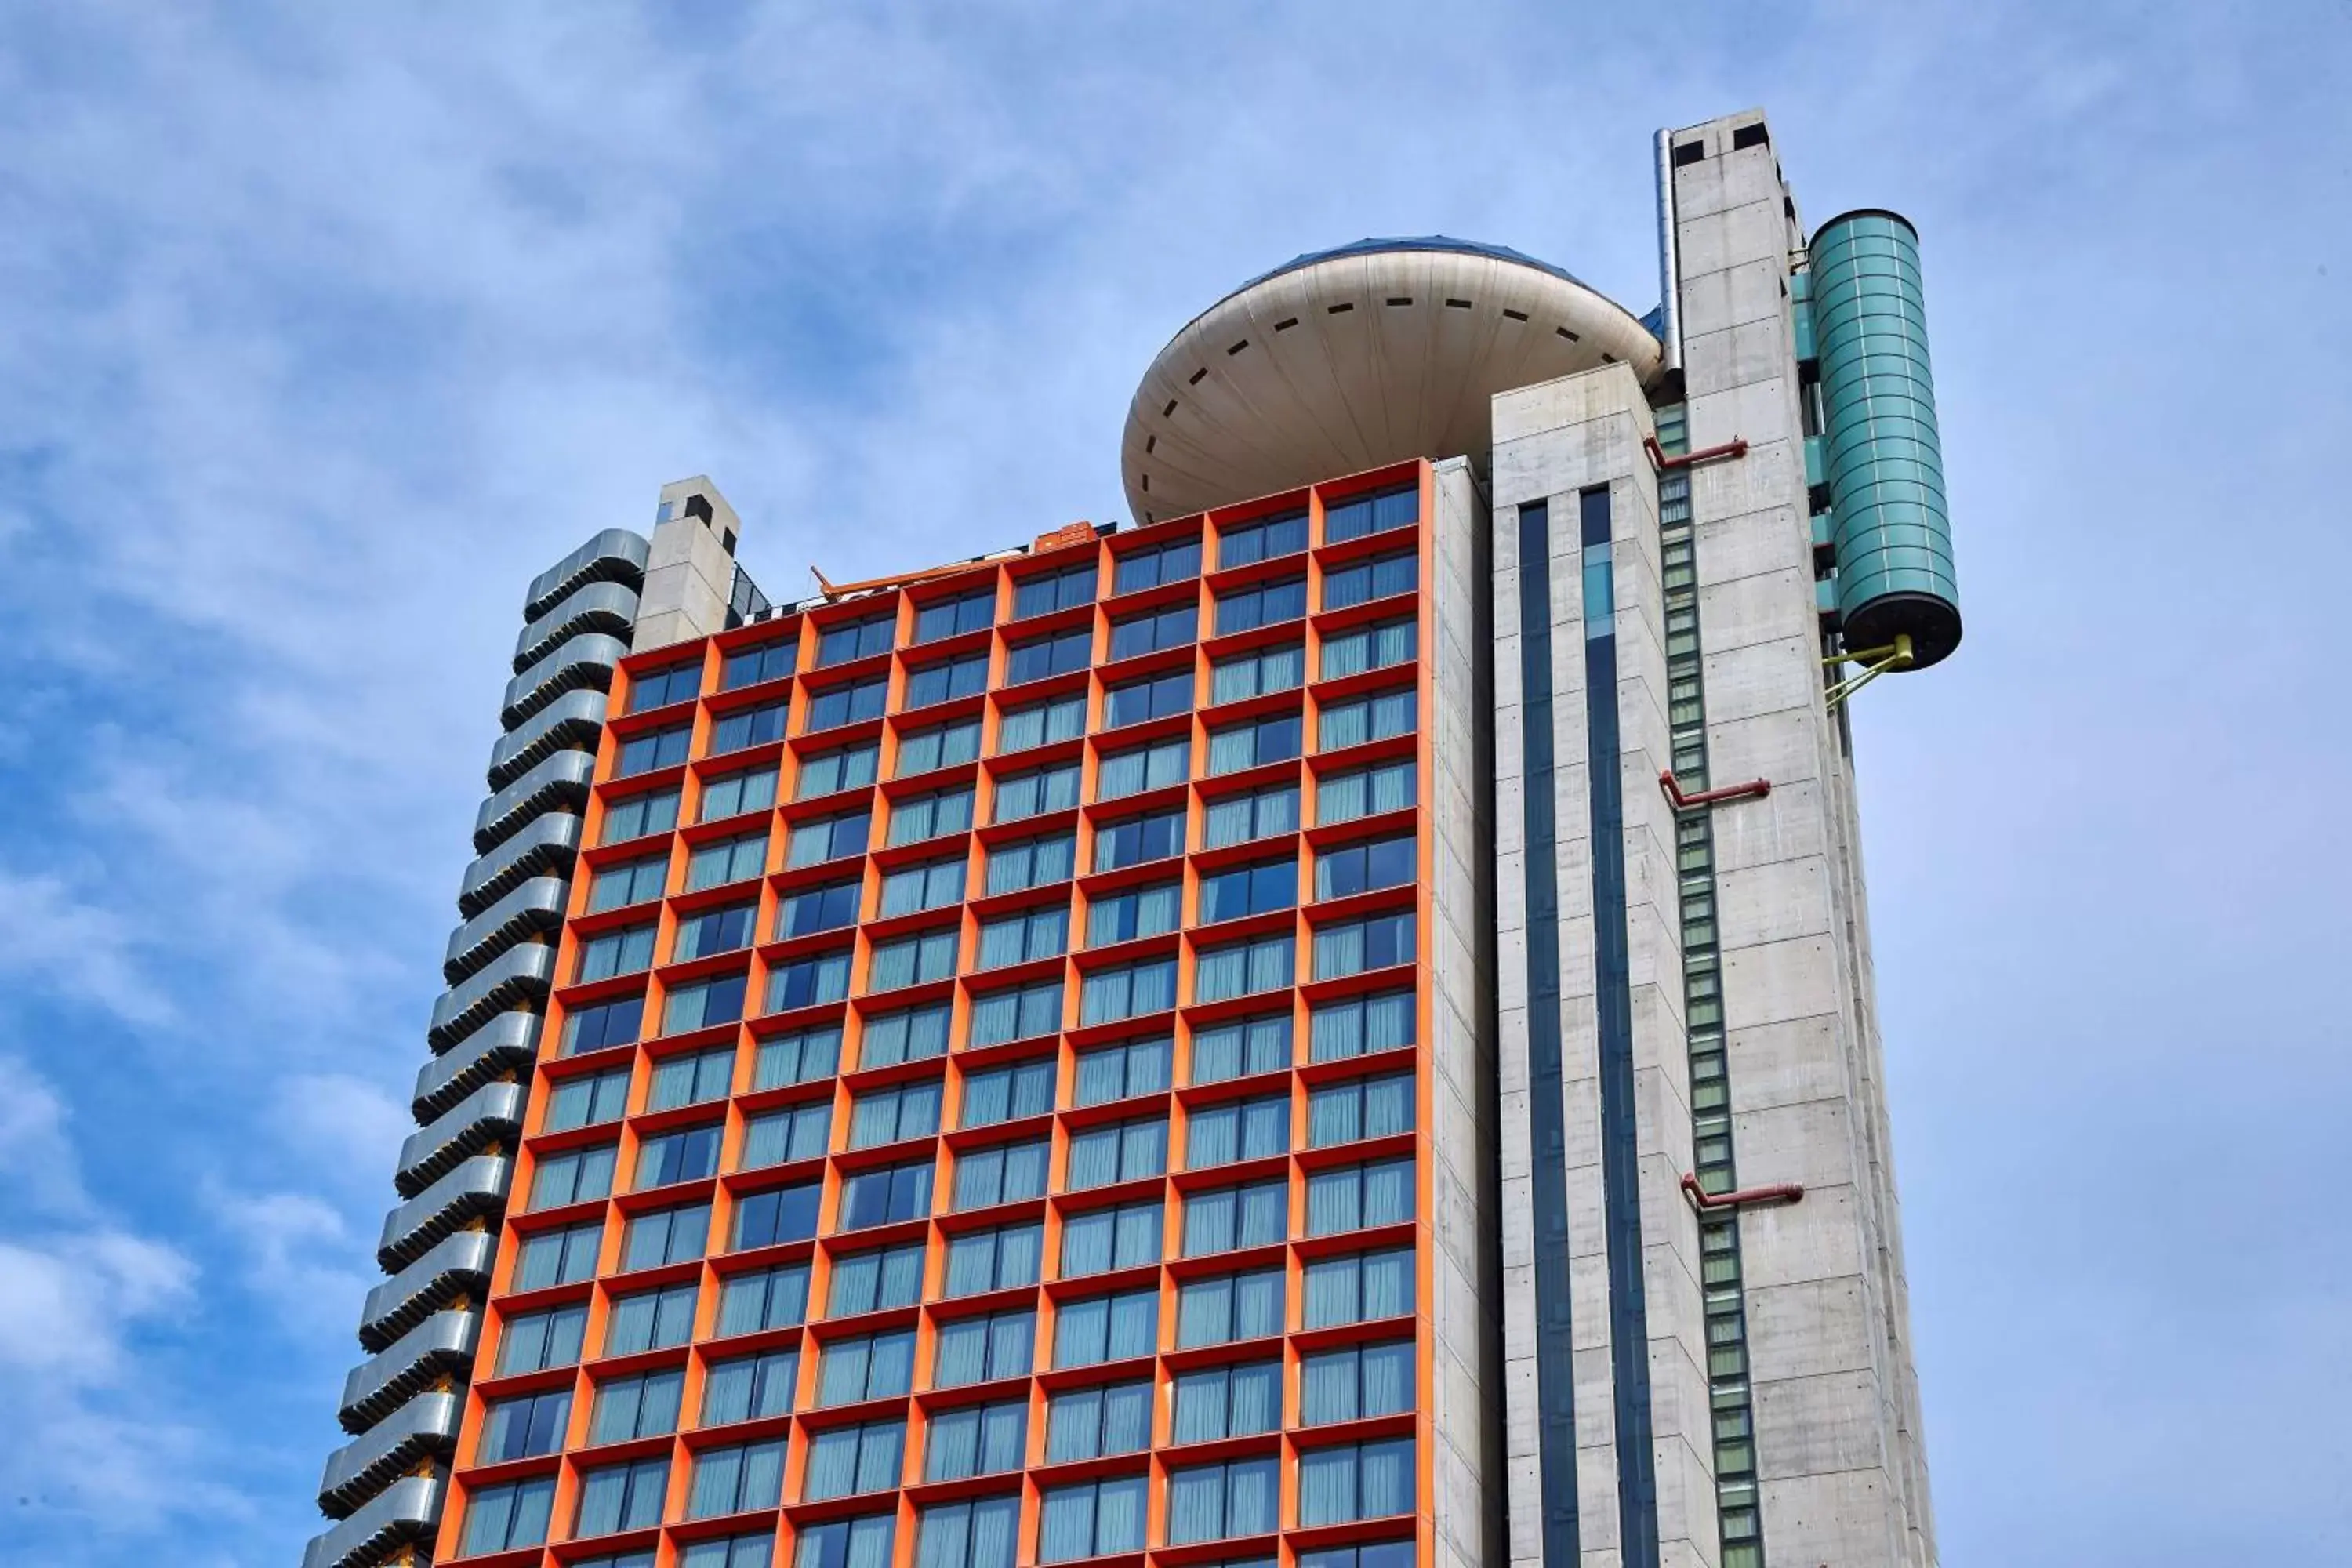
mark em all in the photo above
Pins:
pixel 1354 358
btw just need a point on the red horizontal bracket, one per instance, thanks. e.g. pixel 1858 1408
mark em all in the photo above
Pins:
pixel 1660 457
pixel 1754 789
pixel 1708 1203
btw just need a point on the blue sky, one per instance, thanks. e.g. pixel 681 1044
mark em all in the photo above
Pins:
pixel 327 326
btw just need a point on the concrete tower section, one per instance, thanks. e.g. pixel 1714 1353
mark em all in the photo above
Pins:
pixel 1688 1034
pixel 1842 1472
pixel 1609 1430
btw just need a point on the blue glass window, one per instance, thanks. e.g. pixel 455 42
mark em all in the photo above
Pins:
pixel 660 688
pixel 945 681
pixel 746 1388
pixel 765 662
pixel 1056 655
pixel 855 639
pixel 1375 579
pixel 1241 1048
pixel 1135 913
pixel 814 910
pixel 847 703
pixel 1376 514
pixel 1153 630
pixel 1015 1013
pixel 1254 744
pixel 941 746
pixel 1033 794
pixel 748 727
pixel 1249 890
pixel 779 1214
pixel 1047 592
pixel 1266 540
pixel 1155 766
pixel 634 816
pixel 1266 604
pixel 658 749
pixel 1154 836
pixel 830 773
pixel 1139 569
pixel 952 617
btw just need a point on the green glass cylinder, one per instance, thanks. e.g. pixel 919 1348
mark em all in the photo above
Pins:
pixel 1884 456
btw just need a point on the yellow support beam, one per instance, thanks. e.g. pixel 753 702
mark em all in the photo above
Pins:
pixel 1875 662
pixel 1899 649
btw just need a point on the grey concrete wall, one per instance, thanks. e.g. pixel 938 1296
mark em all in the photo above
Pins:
pixel 1842 1477
pixel 1895 1300
pixel 1465 1208
pixel 690 569
pixel 1553 440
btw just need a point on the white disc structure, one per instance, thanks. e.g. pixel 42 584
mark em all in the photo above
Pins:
pixel 1351 359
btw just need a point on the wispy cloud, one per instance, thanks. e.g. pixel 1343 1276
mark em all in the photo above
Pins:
pixel 79 1292
pixel 52 938
pixel 299 1251
pixel 66 1299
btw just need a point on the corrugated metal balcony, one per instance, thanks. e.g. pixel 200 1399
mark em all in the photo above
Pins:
pixel 571 723
pixel 424 1427
pixel 441 1346
pixel 518 975
pixel 476 1187
pixel 491 1114
pixel 583 661
pixel 454 1266
pixel 613 555
pixel 547 847
pixel 532 910
pixel 407 1511
pixel 507 1043
pixel 607 607
pixel 561 781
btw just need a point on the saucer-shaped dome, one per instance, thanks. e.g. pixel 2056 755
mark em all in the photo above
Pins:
pixel 1355 358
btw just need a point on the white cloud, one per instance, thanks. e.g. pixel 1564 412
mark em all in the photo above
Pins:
pixel 67 1300
pixel 109 1473
pixel 52 939
pixel 78 1294
pixel 347 1127
pixel 72 1280
pixel 296 1261
pixel 35 1154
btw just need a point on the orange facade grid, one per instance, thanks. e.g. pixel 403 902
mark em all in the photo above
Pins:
pixel 907 909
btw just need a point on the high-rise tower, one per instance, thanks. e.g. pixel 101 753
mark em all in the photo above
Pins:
pixel 1328 1028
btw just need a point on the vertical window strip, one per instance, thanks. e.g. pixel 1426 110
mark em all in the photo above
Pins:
pixel 1729 1391
pixel 1629 1332
pixel 1547 1131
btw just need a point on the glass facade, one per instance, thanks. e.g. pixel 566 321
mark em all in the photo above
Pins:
pixel 1001 1220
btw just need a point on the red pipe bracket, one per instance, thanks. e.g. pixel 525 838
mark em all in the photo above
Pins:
pixel 1706 1202
pixel 1754 789
pixel 1659 457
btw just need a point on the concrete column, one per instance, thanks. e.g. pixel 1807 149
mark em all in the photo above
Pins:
pixel 691 570
pixel 1465 1209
